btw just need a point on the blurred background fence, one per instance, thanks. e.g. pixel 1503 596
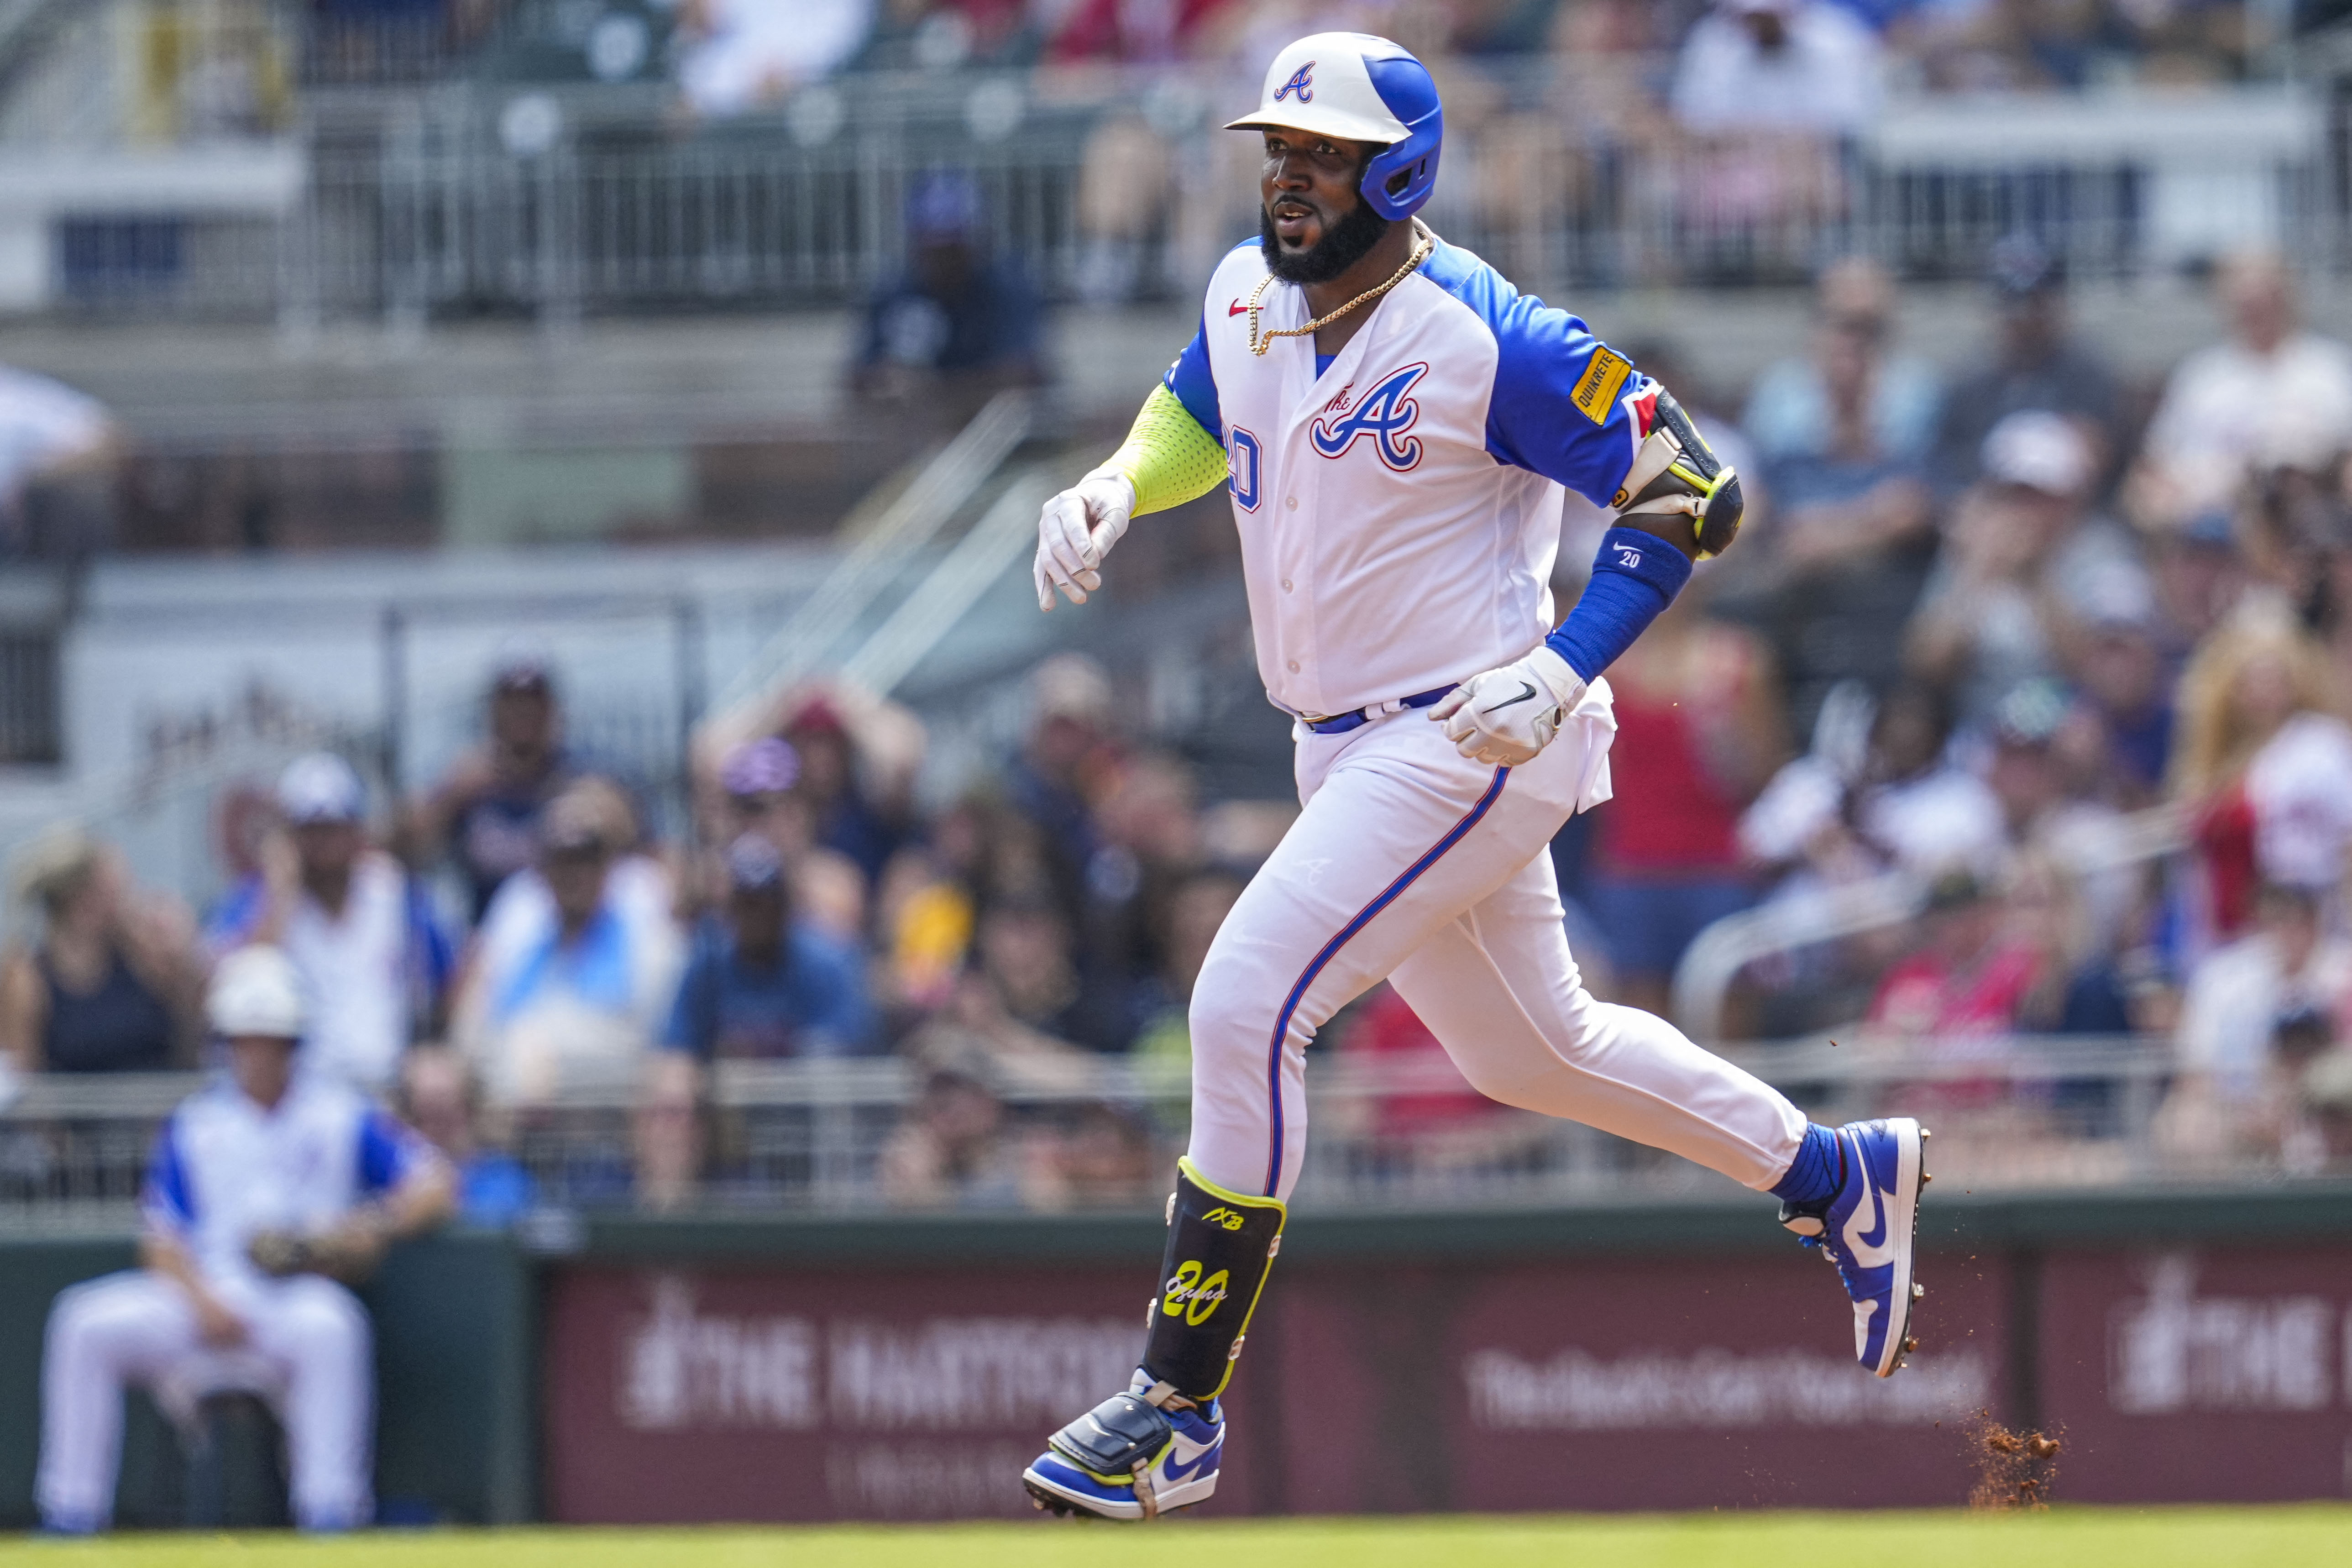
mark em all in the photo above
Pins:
pixel 268 159
pixel 1061 1135
pixel 517 200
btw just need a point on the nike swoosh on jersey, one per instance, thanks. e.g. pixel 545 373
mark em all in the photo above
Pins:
pixel 1526 692
pixel 1237 308
pixel 1869 1254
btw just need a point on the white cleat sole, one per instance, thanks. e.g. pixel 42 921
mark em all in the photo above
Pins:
pixel 1048 1497
pixel 1903 1226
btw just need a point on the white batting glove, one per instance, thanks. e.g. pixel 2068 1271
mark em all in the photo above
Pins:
pixel 1506 716
pixel 1074 532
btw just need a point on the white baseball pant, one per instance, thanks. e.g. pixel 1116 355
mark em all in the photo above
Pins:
pixel 1411 863
pixel 308 1352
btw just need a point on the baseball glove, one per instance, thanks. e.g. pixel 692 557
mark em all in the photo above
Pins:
pixel 348 1253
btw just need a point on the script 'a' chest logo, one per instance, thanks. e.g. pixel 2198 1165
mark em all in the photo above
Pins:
pixel 1384 414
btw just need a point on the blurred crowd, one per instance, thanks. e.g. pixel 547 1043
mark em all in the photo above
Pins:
pixel 1711 117
pixel 2064 653
pixel 1727 124
pixel 2065 656
pixel 734 52
pixel 514 941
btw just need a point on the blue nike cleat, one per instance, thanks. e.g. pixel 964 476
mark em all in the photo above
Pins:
pixel 1868 1230
pixel 1128 1458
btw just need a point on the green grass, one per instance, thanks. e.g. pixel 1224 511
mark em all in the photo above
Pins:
pixel 2310 1536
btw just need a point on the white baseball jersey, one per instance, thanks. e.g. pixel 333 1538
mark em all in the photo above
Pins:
pixel 223 1169
pixel 1400 511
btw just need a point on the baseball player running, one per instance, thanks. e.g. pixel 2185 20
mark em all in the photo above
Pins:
pixel 1394 422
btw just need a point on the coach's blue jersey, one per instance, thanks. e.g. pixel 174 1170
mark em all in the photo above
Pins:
pixel 1400 512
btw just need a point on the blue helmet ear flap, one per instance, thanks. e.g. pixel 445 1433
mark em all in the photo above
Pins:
pixel 1398 177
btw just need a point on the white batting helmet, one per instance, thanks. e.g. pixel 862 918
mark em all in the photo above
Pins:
pixel 1354 87
pixel 257 991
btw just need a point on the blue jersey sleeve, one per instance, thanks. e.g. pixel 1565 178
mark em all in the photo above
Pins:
pixel 1194 386
pixel 1559 403
pixel 165 1200
pixel 389 1151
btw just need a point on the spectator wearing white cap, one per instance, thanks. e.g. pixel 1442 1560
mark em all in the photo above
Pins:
pixel 360 932
pixel 2024 566
pixel 268 1195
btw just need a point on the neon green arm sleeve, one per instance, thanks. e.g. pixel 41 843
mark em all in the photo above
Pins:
pixel 1167 456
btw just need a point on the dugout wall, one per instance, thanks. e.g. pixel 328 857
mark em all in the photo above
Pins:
pixel 2191 1345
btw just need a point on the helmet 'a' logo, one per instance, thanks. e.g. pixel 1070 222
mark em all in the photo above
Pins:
pixel 1384 414
pixel 1302 82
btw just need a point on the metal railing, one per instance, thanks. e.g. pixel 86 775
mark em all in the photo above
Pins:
pixel 1005 532
pixel 1715 960
pixel 460 192
pixel 607 217
pixel 880 549
pixel 1075 1131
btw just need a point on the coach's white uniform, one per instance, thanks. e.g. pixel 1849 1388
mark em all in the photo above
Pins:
pixel 225 1170
pixel 1399 514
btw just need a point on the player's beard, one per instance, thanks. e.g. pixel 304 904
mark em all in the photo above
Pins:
pixel 1343 244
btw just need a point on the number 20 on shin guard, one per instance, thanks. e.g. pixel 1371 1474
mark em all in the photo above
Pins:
pixel 1219 1246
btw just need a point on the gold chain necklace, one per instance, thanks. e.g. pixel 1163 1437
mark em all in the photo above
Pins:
pixel 1421 250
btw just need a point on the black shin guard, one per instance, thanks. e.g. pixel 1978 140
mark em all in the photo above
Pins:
pixel 1220 1246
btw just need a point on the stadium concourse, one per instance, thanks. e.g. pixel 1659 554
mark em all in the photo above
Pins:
pixel 527 508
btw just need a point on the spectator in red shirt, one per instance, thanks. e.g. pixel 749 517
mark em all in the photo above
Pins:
pixel 1384 1027
pixel 1968 976
pixel 1958 997
pixel 1699 731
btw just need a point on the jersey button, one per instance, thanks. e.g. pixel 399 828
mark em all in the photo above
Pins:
pixel 1294 667
pixel 1285 584
pixel 1292 503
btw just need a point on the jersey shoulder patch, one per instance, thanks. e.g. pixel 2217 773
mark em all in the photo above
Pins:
pixel 1596 390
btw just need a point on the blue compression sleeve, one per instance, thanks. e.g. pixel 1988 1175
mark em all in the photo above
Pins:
pixel 1635 578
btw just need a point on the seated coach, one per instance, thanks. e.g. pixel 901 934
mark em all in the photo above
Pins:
pixel 268 1194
